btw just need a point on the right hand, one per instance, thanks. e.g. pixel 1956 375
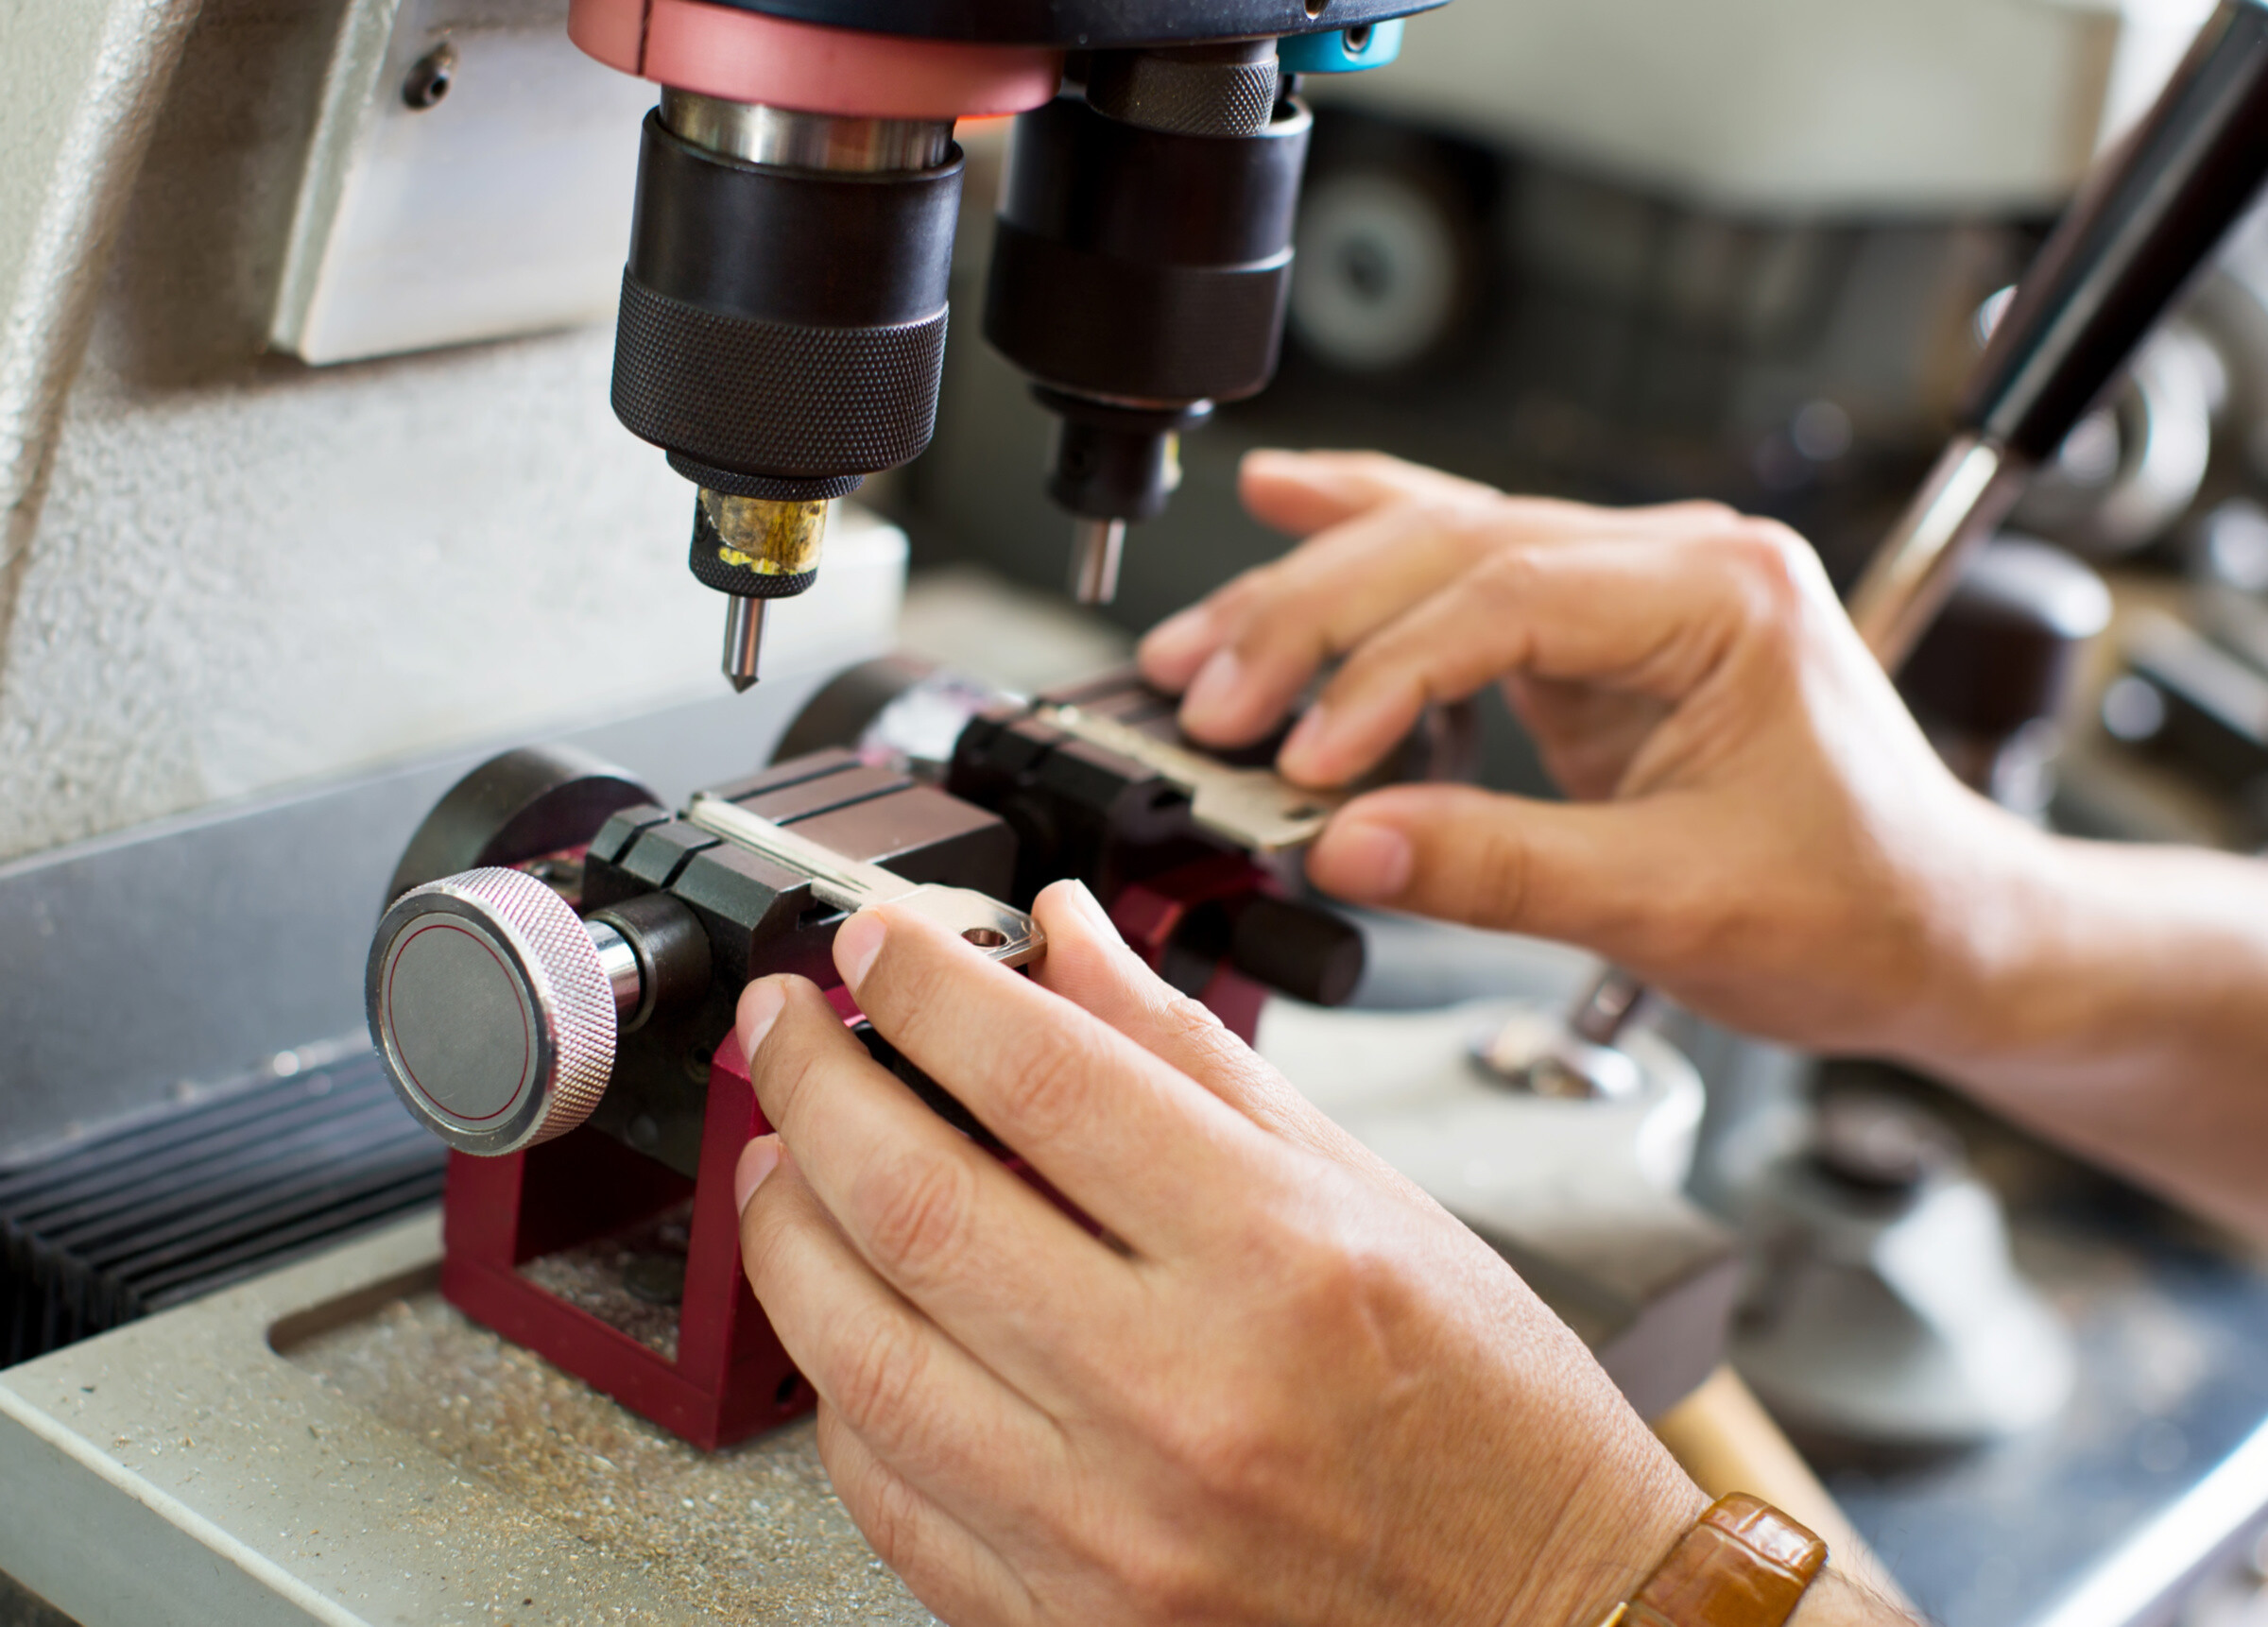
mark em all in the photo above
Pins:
pixel 1759 826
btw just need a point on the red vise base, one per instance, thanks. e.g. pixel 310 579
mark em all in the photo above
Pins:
pixel 730 1378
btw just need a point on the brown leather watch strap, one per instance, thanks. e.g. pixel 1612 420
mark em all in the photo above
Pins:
pixel 1744 1563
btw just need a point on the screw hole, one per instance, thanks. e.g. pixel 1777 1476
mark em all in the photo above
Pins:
pixel 430 78
pixel 1358 39
pixel 1316 7
pixel 985 937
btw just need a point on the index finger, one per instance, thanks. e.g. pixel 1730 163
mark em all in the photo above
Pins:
pixel 1642 614
pixel 1300 492
pixel 1115 1129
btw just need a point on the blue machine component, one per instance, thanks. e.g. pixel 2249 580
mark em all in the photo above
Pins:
pixel 1343 51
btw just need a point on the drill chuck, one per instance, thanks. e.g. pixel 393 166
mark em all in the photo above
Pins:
pixel 1143 265
pixel 783 329
pixel 782 326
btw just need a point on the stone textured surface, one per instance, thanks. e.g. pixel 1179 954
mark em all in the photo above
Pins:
pixel 395 1466
pixel 81 88
pixel 246 573
pixel 291 573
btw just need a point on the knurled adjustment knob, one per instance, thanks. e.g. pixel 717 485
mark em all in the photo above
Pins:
pixel 492 1010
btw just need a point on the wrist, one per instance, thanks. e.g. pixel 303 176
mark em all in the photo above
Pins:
pixel 1742 1563
pixel 1992 909
pixel 1606 1541
pixel 1835 1600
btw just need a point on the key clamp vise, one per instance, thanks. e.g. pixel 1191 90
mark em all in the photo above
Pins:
pixel 552 984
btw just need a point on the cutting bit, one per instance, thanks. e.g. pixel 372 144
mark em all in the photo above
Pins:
pixel 743 641
pixel 1007 936
pixel 1096 548
pixel 1255 808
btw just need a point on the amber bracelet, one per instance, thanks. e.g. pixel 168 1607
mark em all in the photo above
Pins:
pixel 1744 1563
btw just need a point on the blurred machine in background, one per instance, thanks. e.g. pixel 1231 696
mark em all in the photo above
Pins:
pixel 1633 251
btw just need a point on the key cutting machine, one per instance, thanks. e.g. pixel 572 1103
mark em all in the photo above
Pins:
pixel 783 311
pixel 552 988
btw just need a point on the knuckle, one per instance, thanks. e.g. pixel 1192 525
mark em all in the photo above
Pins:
pixel 1233 1455
pixel 1340 1279
pixel 1037 1095
pixel 763 1246
pixel 889 1524
pixel 1767 553
pixel 1509 575
pixel 1236 602
pixel 913 987
pixel 879 1387
pixel 1191 1022
pixel 889 1516
pixel 1492 875
pixel 1771 570
pixel 1476 524
pixel 786 1070
pixel 918 1208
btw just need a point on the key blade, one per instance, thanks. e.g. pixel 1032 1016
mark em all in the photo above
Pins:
pixel 847 883
pixel 1255 808
pixel 1004 934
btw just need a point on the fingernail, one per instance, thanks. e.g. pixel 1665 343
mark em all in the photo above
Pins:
pixel 1212 698
pixel 857 944
pixel 1365 862
pixel 1304 743
pixel 1178 639
pixel 758 1159
pixel 760 1007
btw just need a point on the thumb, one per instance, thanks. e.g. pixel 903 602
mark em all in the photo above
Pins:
pixel 1303 492
pixel 1586 873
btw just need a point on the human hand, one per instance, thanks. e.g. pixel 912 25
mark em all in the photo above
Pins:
pixel 1759 827
pixel 1282 1386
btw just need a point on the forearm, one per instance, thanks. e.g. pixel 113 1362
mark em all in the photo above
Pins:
pixel 2116 1000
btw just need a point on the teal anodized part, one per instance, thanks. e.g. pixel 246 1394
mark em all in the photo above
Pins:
pixel 1343 50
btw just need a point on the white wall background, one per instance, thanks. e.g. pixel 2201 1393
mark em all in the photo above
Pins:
pixel 1803 105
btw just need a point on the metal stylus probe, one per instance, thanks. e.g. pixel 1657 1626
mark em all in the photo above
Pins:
pixel 2144 225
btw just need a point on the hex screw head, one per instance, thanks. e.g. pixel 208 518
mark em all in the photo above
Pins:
pixel 430 78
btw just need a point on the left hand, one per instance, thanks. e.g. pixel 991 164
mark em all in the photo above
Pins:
pixel 1283 1386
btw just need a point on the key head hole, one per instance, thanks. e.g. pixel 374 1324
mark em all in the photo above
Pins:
pixel 986 937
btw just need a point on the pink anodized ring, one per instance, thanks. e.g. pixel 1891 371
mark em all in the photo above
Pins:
pixel 745 56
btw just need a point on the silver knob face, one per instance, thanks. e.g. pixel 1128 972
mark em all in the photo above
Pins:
pixel 492 1010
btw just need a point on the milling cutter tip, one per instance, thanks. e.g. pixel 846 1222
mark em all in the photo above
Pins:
pixel 1096 548
pixel 743 641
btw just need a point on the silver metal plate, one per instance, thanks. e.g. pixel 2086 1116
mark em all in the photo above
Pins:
pixel 500 208
pixel 1256 808
pixel 1007 936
